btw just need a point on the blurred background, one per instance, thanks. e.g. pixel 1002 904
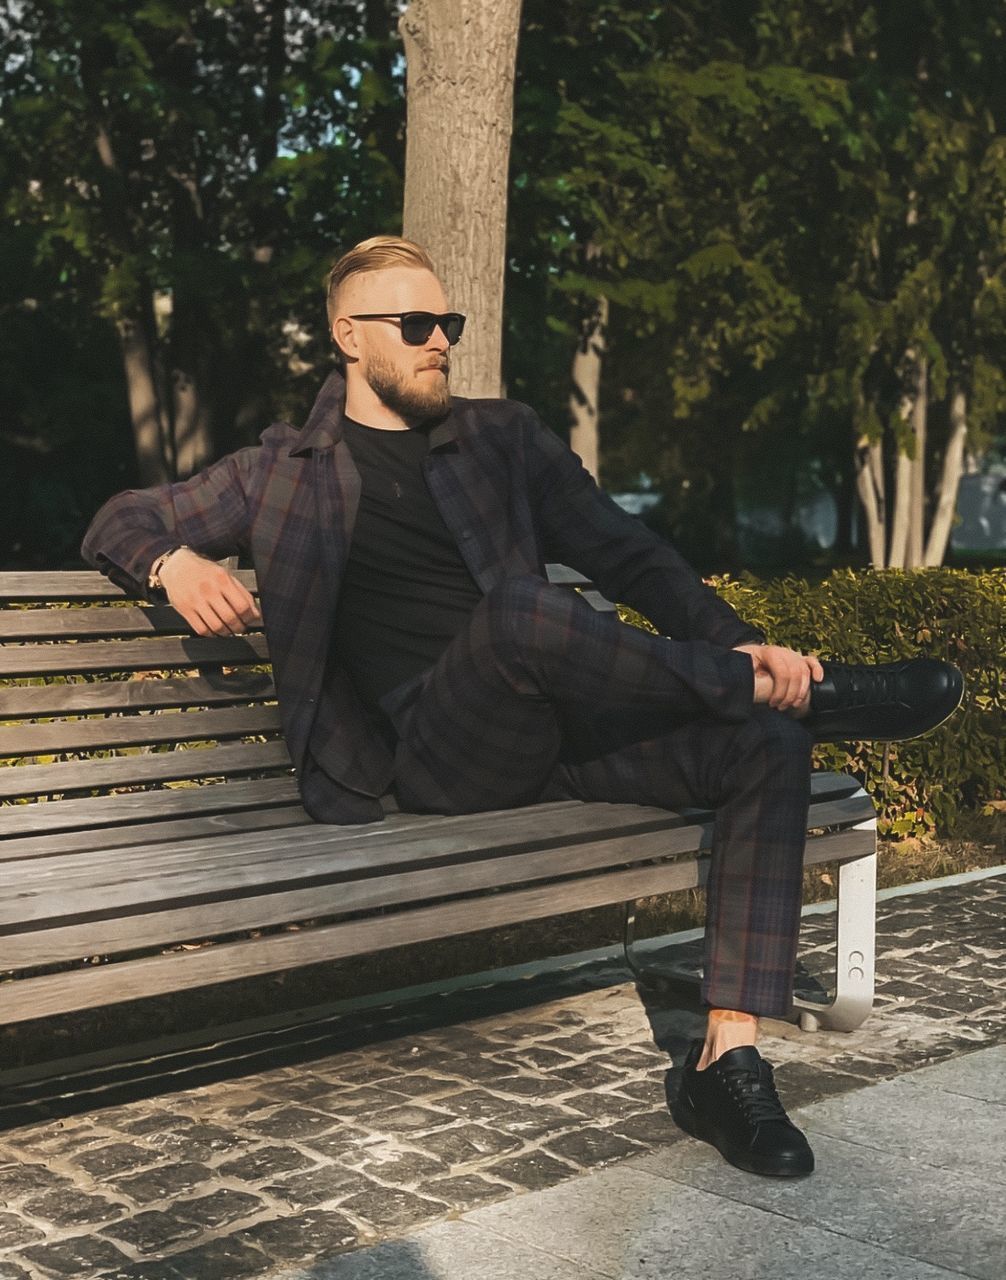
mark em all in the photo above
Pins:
pixel 754 254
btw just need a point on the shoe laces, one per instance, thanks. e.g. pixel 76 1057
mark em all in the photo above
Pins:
pixel 861 686
pixel 755 1094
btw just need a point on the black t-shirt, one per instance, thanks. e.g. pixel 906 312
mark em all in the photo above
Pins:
pixel 406 592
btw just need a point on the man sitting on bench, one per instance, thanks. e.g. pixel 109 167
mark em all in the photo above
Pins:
pixel 399 541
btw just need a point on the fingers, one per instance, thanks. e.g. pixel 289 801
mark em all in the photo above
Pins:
pixel 791 678
pixel 211 600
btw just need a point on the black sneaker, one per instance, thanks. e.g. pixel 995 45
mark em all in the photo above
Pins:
pixel 888 702
pixel 734 1105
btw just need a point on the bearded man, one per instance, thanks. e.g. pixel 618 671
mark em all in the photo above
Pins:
pixel 400 541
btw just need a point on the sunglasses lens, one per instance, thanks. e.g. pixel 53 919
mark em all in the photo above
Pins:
pixel 418 325
pixel 453 326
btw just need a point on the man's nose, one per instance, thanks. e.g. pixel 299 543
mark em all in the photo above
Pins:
pixel 438 339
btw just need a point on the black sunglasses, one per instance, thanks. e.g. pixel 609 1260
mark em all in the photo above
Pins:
pixel 418 325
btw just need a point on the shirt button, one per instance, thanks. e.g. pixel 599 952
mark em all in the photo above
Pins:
pixel 466 533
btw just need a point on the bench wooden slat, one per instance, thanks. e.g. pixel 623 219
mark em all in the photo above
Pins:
pixel 226 866
pixel 70 624
pixel 134 770
pixel 74 584
pixel 28 701
pixel 375 848
pixel 130 655
pixel 133 731
pixel 60 843
pixel 63 817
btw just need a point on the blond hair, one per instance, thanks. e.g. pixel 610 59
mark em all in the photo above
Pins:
pixel 376 254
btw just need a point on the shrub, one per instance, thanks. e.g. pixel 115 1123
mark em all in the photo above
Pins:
pixel 881 615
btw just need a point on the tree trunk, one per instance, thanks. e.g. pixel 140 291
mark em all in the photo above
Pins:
pixel 950 479
pixel 913 404
pixel 144 402
pixel 870 486
pixel 460 57
pixel 920 410
pixel 584 399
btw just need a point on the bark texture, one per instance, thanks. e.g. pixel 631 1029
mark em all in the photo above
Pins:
pixel 460 57
pixel 584 399
pixel 950 479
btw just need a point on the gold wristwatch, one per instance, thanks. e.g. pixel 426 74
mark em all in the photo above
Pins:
pixel 154 576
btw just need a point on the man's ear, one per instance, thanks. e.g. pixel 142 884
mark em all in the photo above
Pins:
pixel 344 337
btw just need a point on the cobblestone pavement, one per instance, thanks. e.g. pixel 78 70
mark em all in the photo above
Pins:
pixel 370 1125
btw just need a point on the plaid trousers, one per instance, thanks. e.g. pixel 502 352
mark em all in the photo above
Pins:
pixel 541 697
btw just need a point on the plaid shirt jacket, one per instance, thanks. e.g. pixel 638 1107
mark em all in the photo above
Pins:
pixel 511 492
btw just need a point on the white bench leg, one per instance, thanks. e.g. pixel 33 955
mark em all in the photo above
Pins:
pixel 856 931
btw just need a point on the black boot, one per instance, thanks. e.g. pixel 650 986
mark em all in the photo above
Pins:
pixel 887 702
pixel 733 1104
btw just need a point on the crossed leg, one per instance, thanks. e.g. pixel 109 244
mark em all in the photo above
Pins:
pixel 540 697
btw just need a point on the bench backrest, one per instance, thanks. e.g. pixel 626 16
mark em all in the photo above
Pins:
pixel 118 717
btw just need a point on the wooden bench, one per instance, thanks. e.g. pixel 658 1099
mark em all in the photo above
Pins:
pixel 148 801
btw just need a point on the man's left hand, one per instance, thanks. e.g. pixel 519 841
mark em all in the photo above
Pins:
pixel 790 673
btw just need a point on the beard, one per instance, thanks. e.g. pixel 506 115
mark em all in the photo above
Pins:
pixel 405 393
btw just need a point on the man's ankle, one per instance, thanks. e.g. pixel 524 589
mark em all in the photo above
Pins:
pixel 726 1029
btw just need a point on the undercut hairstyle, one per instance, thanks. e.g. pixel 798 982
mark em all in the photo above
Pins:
pixel 376 254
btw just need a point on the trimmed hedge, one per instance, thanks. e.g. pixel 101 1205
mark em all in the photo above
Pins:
pixel 920 786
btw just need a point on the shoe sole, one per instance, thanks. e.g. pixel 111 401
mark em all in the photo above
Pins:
pixel 685 1118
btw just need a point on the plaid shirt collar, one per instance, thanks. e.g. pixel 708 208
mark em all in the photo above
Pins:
pixel 323 429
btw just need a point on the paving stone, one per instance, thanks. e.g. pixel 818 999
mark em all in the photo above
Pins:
pixel 116 1158
pixel 293 1122
pixel 360 1103
pixel 530 1122
pixel 69 1207
pixel 590 1147
pixel 464 1191
pixel 219 1208
pixel 165 1183
pixel 413 1119
pixel 305 1190
pixel 142 1122
pixel 521 1031
pixel 392 1207
pixel 309 1235
pixel 11 1271
pixel 575 1043
pixel 415 1086
pixel 79 1256
pixel 802 1082
pixel 266 1163
pixel 64 1136
pixel 23 1179
pixel 535 1056
pixel 153 1230
pixel 534 1170
pixel 477 1104
pixel 643 1090
pixel 586 1075
pixel 532 1086
pixel 338 1142
pixel 224 1259
pixel 652 1128
pixel 469 1142
pixel 402 1168
pixel 198 1142
pixel 14 1231
pixel 608 1105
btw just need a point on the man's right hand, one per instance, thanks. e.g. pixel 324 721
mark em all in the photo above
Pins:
pixel 210 599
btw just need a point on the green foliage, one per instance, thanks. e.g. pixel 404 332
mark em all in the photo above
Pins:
pixel 923 785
